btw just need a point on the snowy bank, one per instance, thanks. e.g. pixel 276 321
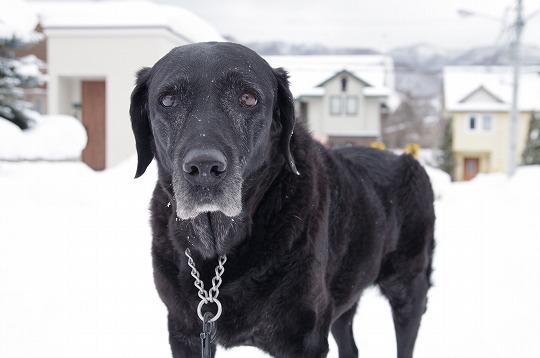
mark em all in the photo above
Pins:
pixel 53 137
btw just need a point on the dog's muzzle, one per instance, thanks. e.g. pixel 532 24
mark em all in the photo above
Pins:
pixel 205 181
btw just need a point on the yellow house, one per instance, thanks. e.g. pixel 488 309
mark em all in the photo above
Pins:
pixel 478 99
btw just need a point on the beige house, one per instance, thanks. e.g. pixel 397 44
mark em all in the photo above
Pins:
pixel 342 98
pixel 478 100
pixel 94 50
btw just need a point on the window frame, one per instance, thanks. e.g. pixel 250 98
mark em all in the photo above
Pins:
pixel 356 105
pixel 333 101
pixel 484 129
pixel 480 120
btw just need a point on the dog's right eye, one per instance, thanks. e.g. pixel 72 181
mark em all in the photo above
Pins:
pixel 168 100
pixel 248 100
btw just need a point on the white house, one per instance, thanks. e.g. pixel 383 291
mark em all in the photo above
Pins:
pixel 341 97
pixel 94 50
pixel 478 99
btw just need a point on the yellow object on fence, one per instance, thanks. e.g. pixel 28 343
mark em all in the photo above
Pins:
pixel 414 149
pixel 378 145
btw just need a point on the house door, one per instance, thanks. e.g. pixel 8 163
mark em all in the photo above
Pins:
pixel 93 119
pixel 471 167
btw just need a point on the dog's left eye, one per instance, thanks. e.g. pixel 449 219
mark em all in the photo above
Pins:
pixel 168 100
pixel 248 100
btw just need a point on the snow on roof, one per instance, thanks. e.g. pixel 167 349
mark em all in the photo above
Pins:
pixel 307 72
pixel 125 14
pixel 461 82
pixel 17 19
pixel 378 92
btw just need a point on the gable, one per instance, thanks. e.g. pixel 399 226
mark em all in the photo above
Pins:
pixel 481 95
pixel 340 76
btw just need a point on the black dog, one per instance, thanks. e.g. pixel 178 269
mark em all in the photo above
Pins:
pixel 305 230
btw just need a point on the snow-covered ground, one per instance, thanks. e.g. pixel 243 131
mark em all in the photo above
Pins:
pixel 76 275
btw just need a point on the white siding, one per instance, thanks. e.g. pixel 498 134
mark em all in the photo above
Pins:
pixel 314 115
pixel 372 120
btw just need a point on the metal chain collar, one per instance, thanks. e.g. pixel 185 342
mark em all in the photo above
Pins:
pixel 212 294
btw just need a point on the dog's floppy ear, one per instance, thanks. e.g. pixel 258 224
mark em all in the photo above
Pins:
pixel 138 111
pixel 285 114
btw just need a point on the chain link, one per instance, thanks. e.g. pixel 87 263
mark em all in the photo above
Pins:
pixel 212 294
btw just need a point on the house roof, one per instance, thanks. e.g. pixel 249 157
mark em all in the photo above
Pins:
pixel 308 72
pixel 481 88
pixel 125 14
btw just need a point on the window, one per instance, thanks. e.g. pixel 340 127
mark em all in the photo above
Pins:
pixel 472 123
pixel 487 123
pixel 335 105
pixel 344 84
pixel 480 123
pixel 352 105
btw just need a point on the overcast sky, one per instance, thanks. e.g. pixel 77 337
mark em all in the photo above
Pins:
pixel 378 24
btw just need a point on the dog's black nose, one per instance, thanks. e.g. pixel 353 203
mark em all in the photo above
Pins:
pixel 204 166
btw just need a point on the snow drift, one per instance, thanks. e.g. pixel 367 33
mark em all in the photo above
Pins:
pixel 53 137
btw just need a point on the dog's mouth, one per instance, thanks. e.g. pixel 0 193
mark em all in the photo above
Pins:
pixel 193 200
pixel 189 209
pixel 215 214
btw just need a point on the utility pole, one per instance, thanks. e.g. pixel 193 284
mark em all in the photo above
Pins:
pixel 516 57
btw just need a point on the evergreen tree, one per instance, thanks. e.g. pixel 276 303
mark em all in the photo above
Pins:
pixel 531 154
pixel 17 73
pixel 446 159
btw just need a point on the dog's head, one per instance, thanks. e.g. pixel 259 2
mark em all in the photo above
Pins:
pixel 211 114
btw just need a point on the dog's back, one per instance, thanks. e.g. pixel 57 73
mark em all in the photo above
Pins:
pixel 403 189
pixel 405 192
